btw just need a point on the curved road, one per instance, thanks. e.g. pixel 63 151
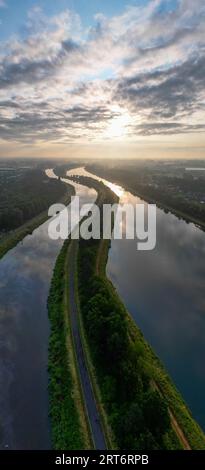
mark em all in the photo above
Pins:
pixel 91 406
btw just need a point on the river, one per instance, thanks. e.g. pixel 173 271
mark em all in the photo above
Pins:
pixel 163 289
pixel 25 275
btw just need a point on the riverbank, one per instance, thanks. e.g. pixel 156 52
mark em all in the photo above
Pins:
pixel 181 215
pixel 151 200
pixel 10 240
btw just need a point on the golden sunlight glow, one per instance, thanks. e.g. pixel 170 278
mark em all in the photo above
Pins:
pixel 118 127
pixel 81 171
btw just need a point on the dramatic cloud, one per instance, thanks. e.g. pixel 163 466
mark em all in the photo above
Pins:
pixel 139 73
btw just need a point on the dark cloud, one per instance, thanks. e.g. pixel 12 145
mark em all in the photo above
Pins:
pixel 54 124
pixel 70 46
pixel 29 71
pixel 165 94
pixel 25 71
pixel 170 128
pixel 91 114
pixel 8 104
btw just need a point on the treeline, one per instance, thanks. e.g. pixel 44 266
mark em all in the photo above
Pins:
pixel 138 415
pixel 26 196
pixel 61 170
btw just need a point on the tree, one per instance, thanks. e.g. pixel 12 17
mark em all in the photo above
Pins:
pixel 156 414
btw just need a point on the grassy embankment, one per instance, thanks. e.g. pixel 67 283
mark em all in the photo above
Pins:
pixel 10 240
pixel 70 429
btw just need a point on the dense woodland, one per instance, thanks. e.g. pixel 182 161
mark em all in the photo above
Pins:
pixel 26 196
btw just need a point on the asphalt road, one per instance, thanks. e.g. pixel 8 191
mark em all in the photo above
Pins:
pixel 91 407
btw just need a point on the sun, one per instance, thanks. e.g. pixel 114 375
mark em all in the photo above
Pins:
pixel 118 127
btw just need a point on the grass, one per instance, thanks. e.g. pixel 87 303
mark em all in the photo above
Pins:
pixel 68 422
pixel 72 359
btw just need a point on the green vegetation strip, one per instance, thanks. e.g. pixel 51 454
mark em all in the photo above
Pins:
pixel 69 425
pixel 109 436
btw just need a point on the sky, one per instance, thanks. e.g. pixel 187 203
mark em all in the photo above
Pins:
pixel 110 78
